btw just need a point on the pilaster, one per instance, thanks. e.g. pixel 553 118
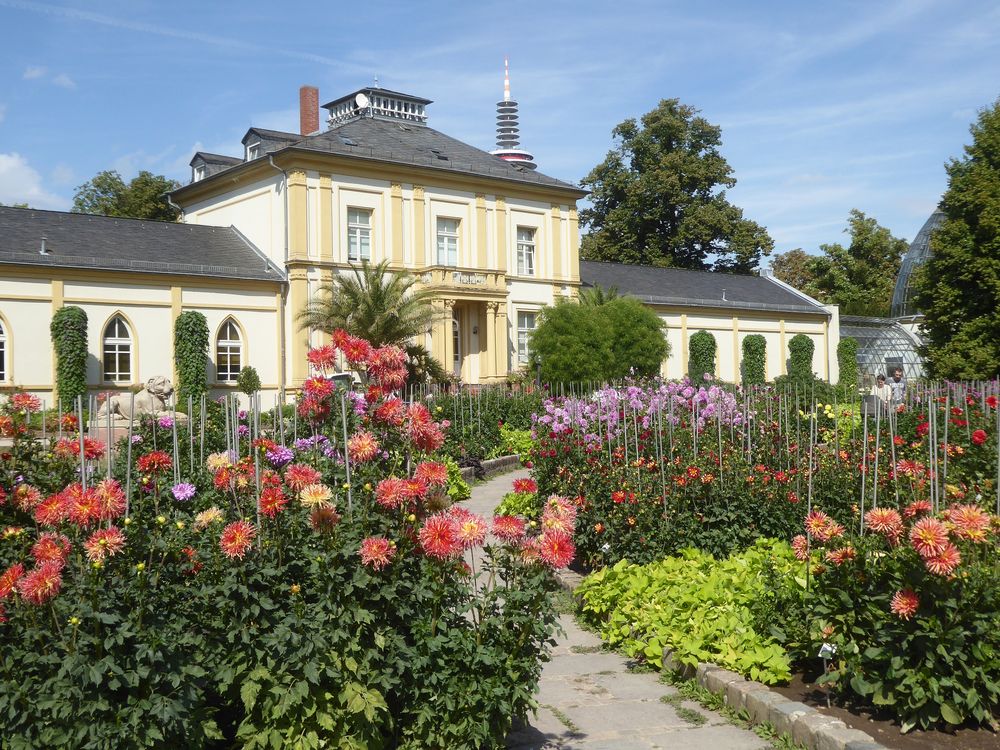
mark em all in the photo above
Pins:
pixel 298 222
pixel 556 234
pixel 299 298
pixel 419 231
pixel 325 217
pixel 502 347
pixel 501 222
pixel 480 253
pixel 396 252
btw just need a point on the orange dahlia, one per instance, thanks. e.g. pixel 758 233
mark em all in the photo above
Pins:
pixel 9 579
pixel 525 486
pixel 800 546
pixel 439 537
pixel 884 521
pixel 82 506
pixel 969 521
pixel 298 476
pixel 324 520
pixel 917 507
pixel 556 549
pixel 929 536
pixel 508 528
pixel 51 511
pixel 272 501
pixel 904 604
pixel 392 493
pixel 154 462
pixel 362 446
pixel 376 552
pixel 840 556
pixel 943 563
pixel 470 528
pixel 42 583
pixel 104 543
pixel 51 547
pixel 110 499
pixel 237 538
pixel 432 472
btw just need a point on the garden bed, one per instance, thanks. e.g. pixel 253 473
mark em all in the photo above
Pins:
pixel 884 729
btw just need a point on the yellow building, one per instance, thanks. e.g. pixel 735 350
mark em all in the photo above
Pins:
pixel 495 239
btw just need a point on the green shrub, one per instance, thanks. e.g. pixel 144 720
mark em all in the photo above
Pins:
pixel 525 504
pixel 191 355
pixel 701 356
pixel 514 443
pixel 847 363
pixel 754 359
pixel 571 344
pixel 248 381
pixel 800 358
pixel 638 344
pixel 699 607
pixel 69 342
pixel 458 488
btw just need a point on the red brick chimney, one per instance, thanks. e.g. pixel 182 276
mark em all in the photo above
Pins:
pixel 308 110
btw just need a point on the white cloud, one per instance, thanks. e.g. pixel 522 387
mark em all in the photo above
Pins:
pixel 21 183
pixel 63 174
pixel 32 72
pixel 65 81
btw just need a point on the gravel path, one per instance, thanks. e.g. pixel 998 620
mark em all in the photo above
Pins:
pixel 589 700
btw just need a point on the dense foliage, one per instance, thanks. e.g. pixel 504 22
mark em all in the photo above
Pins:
pixel 701 356
pixel 700 608
pixel 860 278
pixel 304 595
pixel 604 338
pixel 191 355
pixel 485 423
pixel 248 381
pixel 800 358
pixel 69 344
pixel 144 197
pixel 754 360
pixel 659 198
pixel 847 364
pixel 958 288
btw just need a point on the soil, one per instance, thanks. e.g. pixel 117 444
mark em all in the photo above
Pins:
pixel 883 729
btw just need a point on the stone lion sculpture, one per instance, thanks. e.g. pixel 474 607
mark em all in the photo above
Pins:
pixel 152 399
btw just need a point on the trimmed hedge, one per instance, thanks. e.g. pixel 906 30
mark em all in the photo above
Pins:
pixel 754 353
pixel 701 360
pixel 69 342
pixel 191 355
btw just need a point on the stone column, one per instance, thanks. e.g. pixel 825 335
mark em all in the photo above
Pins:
pixel 298 298
pixel 448 350
pixel 489 358
pixel 501 339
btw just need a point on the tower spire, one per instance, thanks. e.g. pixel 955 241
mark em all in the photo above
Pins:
pixel 508 138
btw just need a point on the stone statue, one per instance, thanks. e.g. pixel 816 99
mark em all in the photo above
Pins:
pixel 150 400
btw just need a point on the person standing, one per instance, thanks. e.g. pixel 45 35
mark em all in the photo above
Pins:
pixel 898 386
pixel 882 390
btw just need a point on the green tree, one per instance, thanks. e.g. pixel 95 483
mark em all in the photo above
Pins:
pixel 638 346
pixel 860 277
pixel 69 342
pixel 958 288
pixel 382 306
pixel 571 344
pixel 701 356
pixel 659 198
pixel 248 381
pixel 754 359
pixel 191 355
pixel 106 193
pixel 15 205
pixel 795 267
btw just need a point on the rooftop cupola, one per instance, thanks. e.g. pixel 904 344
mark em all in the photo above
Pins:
pixel 378 103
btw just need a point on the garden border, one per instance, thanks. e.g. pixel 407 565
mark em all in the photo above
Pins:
pixel 803 723
pixel 493 466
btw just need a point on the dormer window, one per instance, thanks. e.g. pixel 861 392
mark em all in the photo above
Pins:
pixel 254 151
pixel 198 173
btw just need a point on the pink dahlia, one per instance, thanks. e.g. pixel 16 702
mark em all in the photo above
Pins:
pixel 508 528
pixel 943 563
pixel 969 521
pixel 439 536
pixel 392 493
pixel 884 521
pixel 800 546
pixel 104 543
pixel 556 549
pixel 904 604
pixel 470 528
pixel 376 552
pixel 432 472
pixel 362 446
pixel 917 507
pixel 110 499
pixel 929 536
pixel 298 476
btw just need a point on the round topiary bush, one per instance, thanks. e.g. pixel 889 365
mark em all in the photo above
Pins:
pixel 754 353
pixel 800 356
pixel 69 342
pixel 248 381
pixel 701 360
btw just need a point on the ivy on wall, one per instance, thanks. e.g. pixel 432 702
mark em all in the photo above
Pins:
pixel 847 363
pixel 754 352
pixel 800 356
pixel 191 355
pixel 69 342
pixel 701 360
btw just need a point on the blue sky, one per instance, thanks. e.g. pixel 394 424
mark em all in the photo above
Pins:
pixel 824 107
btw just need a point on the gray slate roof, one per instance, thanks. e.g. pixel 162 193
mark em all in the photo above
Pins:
pixel 113 244
pixel 675 286
pixel 402 142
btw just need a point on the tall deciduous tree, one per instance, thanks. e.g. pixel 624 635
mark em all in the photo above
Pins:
pixel 143 197
pixel 958 288
pixel 659 198
pixel 795 267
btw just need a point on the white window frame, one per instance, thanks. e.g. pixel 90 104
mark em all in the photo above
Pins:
pixel 357 232
pixel 526 251
pixel 524 333
pixel 230 347
pixel 254 151
pixel 4 368
pixel 447 241
pixel 199 173
pixel 117 347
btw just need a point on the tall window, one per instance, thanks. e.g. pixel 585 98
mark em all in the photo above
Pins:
pixel 525 251
pixel 525 325
pixel 117 352
pixel 447 242
pixel 3 354
pixel 359 234
pixel 228 353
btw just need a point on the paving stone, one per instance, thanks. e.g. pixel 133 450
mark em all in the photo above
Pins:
pixel 864 745
pixel 836 738
pixel 784 714
pixel 724 737
pixel 717 679
pixel 758 703
pixel 806 728
pixel 738 692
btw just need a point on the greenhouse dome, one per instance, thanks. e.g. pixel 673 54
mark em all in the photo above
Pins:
pixel 920 250
pixel 883 345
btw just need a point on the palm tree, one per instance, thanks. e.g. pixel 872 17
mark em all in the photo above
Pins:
pixel 381 306
pixel 596 295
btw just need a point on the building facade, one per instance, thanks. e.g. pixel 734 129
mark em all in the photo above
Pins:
pixel 494 241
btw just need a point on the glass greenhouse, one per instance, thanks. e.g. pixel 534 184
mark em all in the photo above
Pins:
pixel 883 345
pixel 920 250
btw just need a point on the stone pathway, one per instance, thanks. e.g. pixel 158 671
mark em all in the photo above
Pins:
pixel 589 700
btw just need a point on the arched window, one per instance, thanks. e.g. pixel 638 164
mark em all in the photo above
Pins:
pixel 3 353
pixel 228 353
pixel 117 351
